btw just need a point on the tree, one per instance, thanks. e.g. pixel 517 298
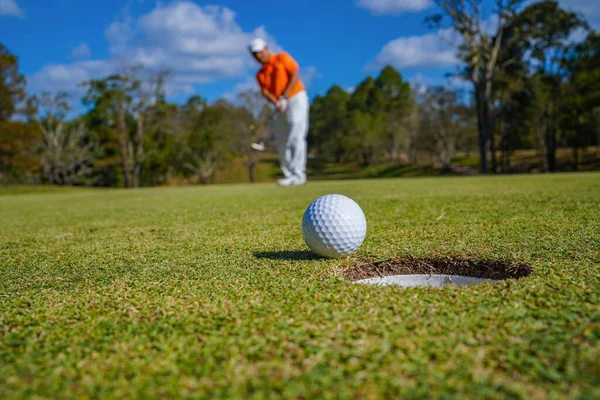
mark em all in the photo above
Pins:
pixel 400 107
pixel 66 155
pixel 258 128
pixel 160 143
pixel 111 100
pixel 514 118
pixel 121 99
pixel 443 121
pixel 365 139
pixel 329 123
pixel 480 52
pixel 19 142
pixel 580 108
pixel 212 140
pixel 418 91
pixel 373 124
pixel 12 84
pixel 367 114
pixel 149 97
pixel 545 29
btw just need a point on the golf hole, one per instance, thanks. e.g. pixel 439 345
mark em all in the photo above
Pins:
pixel 435 272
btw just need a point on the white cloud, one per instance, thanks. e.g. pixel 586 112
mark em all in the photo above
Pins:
pixel 308 75
pixel 196 44
pixel 439 49
pixel 420 83
pixel 174 88
pixel 490 25
pixel 394 7
pixel 588 9
pixel 577 36
pixel 247 84
pixel 119 33
pixel 82 50
pixel 461 86
pixel 420 79
pixel 67 77
pixel 9 8
pixel 427 51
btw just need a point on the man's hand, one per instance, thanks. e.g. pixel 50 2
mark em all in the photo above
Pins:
pixel 281 104
pixel 270 96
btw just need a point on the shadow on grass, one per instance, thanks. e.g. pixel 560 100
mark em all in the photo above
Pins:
pixel 287 255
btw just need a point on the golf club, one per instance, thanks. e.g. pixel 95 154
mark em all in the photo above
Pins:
pixel 260 146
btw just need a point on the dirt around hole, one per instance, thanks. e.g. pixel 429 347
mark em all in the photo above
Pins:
pixel 478 268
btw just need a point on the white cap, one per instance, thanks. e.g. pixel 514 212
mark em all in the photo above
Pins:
pixel 257 45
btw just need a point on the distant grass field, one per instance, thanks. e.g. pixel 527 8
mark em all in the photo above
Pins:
pixel 209 292
pixel 522 161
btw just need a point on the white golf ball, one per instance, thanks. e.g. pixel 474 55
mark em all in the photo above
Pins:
pixel 334 226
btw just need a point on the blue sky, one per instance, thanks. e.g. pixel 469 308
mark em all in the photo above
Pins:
pixel 63 42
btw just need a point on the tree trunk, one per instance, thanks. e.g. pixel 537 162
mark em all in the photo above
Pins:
pixel 493 153
pixel 575 158
pixel 412 153
pixel 504 147
pixel 551 128
pixel 598 138
pixel 482 153
pixel 446 157
pixel 550 148
pixel 412 137
pixel 487 123
pixel 543 134
pixel 396 142
pixel 139 150
pixel 123 147
pixel 252 170
pixel 479 102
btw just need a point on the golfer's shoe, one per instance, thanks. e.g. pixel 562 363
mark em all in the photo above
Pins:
pixel 299 181
pixel 285 182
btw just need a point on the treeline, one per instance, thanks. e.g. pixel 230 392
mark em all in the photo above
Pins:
pixel 535 84
pixel 130 135
pixel 385 121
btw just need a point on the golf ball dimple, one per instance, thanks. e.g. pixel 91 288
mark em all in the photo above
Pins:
pixel 334 226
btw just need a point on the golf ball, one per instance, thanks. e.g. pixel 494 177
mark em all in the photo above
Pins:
pixel 334 226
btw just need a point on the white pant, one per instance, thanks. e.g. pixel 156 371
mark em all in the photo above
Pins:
pixel 291 128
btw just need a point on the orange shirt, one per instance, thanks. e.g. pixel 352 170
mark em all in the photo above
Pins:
pixel 274 76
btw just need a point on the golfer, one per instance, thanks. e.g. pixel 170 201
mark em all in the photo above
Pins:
pixel 279 81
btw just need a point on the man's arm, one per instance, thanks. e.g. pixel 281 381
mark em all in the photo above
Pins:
pixel 264 91
pixel 294 76
pixel 269 96
pixel 293 69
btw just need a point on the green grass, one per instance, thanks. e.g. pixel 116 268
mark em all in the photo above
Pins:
pixel 209 292
pixel 522 161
